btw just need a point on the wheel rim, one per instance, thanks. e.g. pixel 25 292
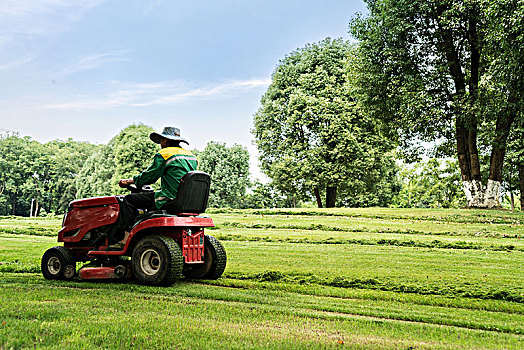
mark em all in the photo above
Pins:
pixel 150 262
pixel 69 271
pixel 54 265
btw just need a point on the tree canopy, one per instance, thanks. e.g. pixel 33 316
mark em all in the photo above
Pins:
pixel 127 154
pixel 311 135
pixel 229 171
pixel 37 178
pixel 436 70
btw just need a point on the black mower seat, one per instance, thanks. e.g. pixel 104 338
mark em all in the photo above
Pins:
pixel 191 198
pixel 192 195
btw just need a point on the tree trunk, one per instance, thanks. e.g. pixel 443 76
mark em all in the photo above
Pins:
pixel 465 117
pixel 317 196
pixel 498 152
pixel 521 185
pixel 13 203
pixel 331 196
pixel 512 201
pixel 32 208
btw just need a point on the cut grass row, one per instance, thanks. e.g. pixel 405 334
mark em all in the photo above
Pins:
pixel 446 215
pixel 282 236
pixel 446 272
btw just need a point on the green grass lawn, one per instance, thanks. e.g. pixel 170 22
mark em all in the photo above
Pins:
pixel 296 278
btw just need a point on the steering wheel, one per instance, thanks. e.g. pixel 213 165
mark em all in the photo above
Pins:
pixel 142 189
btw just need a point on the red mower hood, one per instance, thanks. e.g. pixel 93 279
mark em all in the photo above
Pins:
pixel 93 202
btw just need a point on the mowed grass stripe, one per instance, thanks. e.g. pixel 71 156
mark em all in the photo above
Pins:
pixel 468 273
pixel 361 238
pixel 411 226
pixel 336 293
pixel 446 272
pixel 420 214
pixel 287 324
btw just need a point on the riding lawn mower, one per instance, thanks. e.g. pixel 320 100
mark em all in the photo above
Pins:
pixel 162 246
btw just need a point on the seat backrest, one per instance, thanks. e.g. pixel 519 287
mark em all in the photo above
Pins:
pixel 192 195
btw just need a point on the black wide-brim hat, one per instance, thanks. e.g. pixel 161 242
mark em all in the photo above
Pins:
pixel 169 132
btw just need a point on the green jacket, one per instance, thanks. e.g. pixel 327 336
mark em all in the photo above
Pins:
pixel 170 163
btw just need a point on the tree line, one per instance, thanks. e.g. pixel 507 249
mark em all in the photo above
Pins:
pixel 39 179
pixel 43 178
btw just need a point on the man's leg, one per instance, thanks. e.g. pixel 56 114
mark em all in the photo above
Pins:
pixel 129 211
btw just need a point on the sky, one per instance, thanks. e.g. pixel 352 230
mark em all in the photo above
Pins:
pixel 86 69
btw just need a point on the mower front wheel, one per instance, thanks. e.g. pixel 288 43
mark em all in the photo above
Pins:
pixel 157 260
pixel 58 263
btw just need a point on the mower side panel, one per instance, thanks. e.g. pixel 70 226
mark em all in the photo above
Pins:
pixel 86 218
pixel 175 222
pixel 187 231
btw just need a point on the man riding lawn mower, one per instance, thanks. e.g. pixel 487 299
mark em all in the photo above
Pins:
pixel 154 236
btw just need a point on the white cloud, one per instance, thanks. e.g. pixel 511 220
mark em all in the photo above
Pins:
pixel 156 93
pixel 96 60
pixel 16 63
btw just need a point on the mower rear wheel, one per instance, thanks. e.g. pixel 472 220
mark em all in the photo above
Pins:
pixel 58 263
pixel 215 260
pixel 157 260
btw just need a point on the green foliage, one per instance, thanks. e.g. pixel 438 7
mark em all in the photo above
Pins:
pixel 431 184
pixel 44 174
pixel 310 132
pixel 264 196
pixel 446 71
pixel 95 178
pixel 402 69
pixel 127 154
pixel 229 171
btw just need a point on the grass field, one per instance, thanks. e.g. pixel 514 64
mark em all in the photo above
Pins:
pixel 296 278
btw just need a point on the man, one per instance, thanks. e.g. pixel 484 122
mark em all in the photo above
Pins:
pixel 170 164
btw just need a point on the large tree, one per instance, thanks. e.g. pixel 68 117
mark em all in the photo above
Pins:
pixel 311 136
pixel 505 49
pixel 229 171
pixel 426 66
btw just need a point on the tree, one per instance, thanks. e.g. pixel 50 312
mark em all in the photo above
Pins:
pixel 58 169
pixel 310 133
pixel 264 196
pixel 126 154
pixel 35 176
pixel 229 171
pixel 423 67
pixel 15 170
pixel 505 50
pixel 514 173
pixel 434 183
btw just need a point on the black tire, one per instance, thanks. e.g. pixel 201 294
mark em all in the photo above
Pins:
pixel 58 263
pixel 215 260
pixel 157 261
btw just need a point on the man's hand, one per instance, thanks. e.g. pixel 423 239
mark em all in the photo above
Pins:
pixel 125 182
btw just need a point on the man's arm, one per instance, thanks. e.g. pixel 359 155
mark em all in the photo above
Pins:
pixel 125 182
pixel 148 176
